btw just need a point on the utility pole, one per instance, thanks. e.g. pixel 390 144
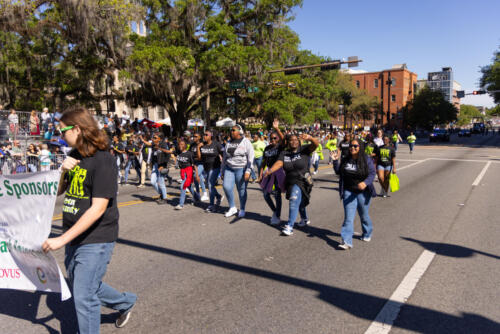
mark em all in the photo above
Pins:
pixel 389 83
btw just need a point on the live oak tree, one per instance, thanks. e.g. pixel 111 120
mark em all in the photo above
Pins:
pixel 193 47
pixel 491 77
pixel 61 50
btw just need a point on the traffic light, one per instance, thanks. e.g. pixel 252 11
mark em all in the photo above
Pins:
pixel 460 94
pixel 293 70
pixel 478 92
pixel 330 65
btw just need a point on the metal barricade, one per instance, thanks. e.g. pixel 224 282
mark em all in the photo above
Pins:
pixel 24 163
pixel 17 126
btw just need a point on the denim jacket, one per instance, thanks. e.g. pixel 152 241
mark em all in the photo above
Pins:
pixel 368 181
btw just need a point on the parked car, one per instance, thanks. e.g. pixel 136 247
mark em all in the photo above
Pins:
pixel 464 133
pixel 439 135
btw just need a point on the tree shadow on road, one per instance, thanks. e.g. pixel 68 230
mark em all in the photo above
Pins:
pixel 449 249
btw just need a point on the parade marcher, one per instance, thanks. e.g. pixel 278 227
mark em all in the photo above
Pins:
pixel 386 163
pixel 298 182
pixel 356 189
pixel 145 158
pixel 343 147
pixel 210 153
pixel 258 148
pixel 316 157
pixel 200 186
pixel 90 221
pixel 160 158
pixel 118 152
pixel 133 153
pixel 370 147
pixel 275 184
pixel 411 139
pixel 331 146
pixel 379 139
pixel 236 168
pixel 396 139
pixel 188 171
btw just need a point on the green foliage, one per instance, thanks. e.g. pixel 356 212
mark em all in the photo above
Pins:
pixel 467 112
pixel 428 109
pixel 493 112
pixel 491 77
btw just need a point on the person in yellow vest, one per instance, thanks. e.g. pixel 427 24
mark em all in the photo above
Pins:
pixel 396 139
pixel 258 147
pixel 411 139
pixel 331 145
pixel 316 157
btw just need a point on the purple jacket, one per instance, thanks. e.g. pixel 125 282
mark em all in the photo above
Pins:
pixel 268 182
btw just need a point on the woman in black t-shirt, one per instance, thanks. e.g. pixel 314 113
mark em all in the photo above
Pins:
pixel 90 220
pixel 356 189
pixel 187 165
pixel 210 153
pixel 386 164
pixel 295 162
pixel 271 155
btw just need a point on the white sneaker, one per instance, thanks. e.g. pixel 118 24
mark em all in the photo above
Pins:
pixel 275 220
pixel 366 239
pixel 344 246
pixel 287 230
pixel 219 200
pixel 179 207
pixel 241 214
pixel 204 198
pixel 231 212
pixel 303 222
pixel 315 172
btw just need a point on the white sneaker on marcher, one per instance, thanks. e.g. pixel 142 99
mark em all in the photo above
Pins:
pixel 241 214
pixel 303 222
pixel 204 198
pixel 287 230
pixel 345 246
pixel 231 212
pixel 315 172
pixel 366 239
pixel 275 220
pixel 179 207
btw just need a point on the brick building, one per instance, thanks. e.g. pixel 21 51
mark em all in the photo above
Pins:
pixel 393 94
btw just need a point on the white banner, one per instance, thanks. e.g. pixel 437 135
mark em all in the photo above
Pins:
pixel 26 208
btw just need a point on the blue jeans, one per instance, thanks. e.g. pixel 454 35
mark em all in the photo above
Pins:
pixel 202 180
pixel 395 145
pixel 232 177
pixel 257 162
pixel 86 266
pixel 182 198
pixel 137 168
pixel 361 202
pixel 212 176
pixel 296 206
pixel 316 165
pixel 411 146
pixel 158 181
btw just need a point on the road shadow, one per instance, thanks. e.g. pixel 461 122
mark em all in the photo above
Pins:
pixel 449 249
pixel 24 305
pixel 321 233
pixel 359 304
pixel 325 180
pixel 329 188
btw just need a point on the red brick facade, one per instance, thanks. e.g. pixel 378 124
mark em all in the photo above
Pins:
pixel 394 97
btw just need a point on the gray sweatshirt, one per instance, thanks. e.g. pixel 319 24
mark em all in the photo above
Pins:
pixel 238 155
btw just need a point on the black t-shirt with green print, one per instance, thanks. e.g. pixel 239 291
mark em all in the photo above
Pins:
pixel 93 177
pixel 385 155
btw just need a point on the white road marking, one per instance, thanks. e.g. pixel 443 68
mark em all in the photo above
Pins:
pixel 480 176
pixel 385 319
pixel 413 164
pixel 463 160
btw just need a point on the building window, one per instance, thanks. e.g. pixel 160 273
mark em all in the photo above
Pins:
pixel 375 83
pixel 357 83
pixel 393 98
pixel 393 82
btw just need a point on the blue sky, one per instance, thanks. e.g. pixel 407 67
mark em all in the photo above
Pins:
pixel 425 34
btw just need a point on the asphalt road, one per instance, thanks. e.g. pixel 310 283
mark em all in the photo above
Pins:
pixel 202 273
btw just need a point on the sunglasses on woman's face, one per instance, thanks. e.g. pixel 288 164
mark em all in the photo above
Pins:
pixel 274 138
pixel 353 146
